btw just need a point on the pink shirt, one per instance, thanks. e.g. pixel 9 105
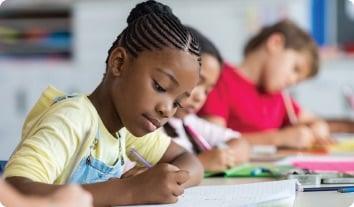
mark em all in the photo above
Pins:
pixel 244 107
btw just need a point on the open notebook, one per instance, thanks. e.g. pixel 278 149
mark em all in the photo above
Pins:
pixel 263 194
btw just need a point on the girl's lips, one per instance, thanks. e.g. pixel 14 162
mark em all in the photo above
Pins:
pixel 151 124
pixel 150 127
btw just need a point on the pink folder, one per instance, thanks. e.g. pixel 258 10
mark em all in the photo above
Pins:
pixel 326 166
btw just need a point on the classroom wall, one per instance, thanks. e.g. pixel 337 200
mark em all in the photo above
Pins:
pixel 97 23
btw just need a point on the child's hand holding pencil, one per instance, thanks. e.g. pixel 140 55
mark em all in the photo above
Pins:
pixel 162 183
pixel 321 132
pixel 218 159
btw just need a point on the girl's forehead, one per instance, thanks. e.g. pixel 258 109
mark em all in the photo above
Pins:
pixel 169 58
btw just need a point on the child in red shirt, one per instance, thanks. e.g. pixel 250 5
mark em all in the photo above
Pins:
pixel 249 99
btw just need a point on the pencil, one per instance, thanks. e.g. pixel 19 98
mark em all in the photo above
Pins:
pixel 289 108
pixel 139 158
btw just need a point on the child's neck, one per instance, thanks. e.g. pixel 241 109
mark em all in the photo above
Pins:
pixel 100 98
pixel 251 67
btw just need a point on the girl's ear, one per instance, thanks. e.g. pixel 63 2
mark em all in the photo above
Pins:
pixel 275 43
pixel 116 60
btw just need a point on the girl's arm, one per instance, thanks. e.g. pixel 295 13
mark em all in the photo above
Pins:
pixel 307 132
pixel 341 125
pixel 294 137
pixel 162 183
pixel 99 191
pixel 178 156
pixel 70 196
pixel 8 196
pixel 334 125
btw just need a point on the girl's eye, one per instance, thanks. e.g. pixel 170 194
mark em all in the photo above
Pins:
pixel 177 104
pixel 158 87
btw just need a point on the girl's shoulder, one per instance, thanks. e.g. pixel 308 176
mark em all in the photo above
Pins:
pixel 55 105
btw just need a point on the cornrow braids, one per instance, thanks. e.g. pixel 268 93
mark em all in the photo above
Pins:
pixel 151 26
pixel 206 45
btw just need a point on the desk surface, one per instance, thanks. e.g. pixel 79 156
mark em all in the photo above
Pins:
pixel 303 199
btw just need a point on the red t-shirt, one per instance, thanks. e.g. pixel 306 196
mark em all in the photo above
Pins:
pixel 244 107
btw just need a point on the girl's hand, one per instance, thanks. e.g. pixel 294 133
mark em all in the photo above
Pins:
pixel 162 183
pixel 242 150
pixel 218 159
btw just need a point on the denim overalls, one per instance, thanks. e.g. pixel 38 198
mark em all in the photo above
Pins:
pixel 91 170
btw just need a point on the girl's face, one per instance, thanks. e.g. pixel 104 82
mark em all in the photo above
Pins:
pixel 208 77
pixel 284 68
pixel 150 88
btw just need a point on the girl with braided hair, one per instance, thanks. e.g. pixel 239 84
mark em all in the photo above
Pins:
pixel 151 68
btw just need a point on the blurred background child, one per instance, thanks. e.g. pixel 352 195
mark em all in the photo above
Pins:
pixel 249 98
pixel 234 150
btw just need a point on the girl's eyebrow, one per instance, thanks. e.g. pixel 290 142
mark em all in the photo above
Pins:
pixel 169 75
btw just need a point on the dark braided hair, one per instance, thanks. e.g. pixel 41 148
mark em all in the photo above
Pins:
pixel 152 25
pixel 206 45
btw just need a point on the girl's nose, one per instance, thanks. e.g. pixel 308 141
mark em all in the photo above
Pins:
pixel 165 110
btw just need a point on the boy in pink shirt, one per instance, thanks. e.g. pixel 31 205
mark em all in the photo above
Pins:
pixel 249 98
pixel 253 112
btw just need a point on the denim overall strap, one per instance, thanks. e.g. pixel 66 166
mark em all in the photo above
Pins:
pixel 92 170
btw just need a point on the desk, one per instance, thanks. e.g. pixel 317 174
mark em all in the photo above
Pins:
pixel 303 199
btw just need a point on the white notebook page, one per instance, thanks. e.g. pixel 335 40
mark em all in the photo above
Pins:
pixel 254 194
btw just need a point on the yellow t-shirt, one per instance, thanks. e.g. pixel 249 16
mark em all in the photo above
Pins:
pixel 53 134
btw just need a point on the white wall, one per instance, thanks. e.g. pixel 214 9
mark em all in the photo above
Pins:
pixel 97 23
